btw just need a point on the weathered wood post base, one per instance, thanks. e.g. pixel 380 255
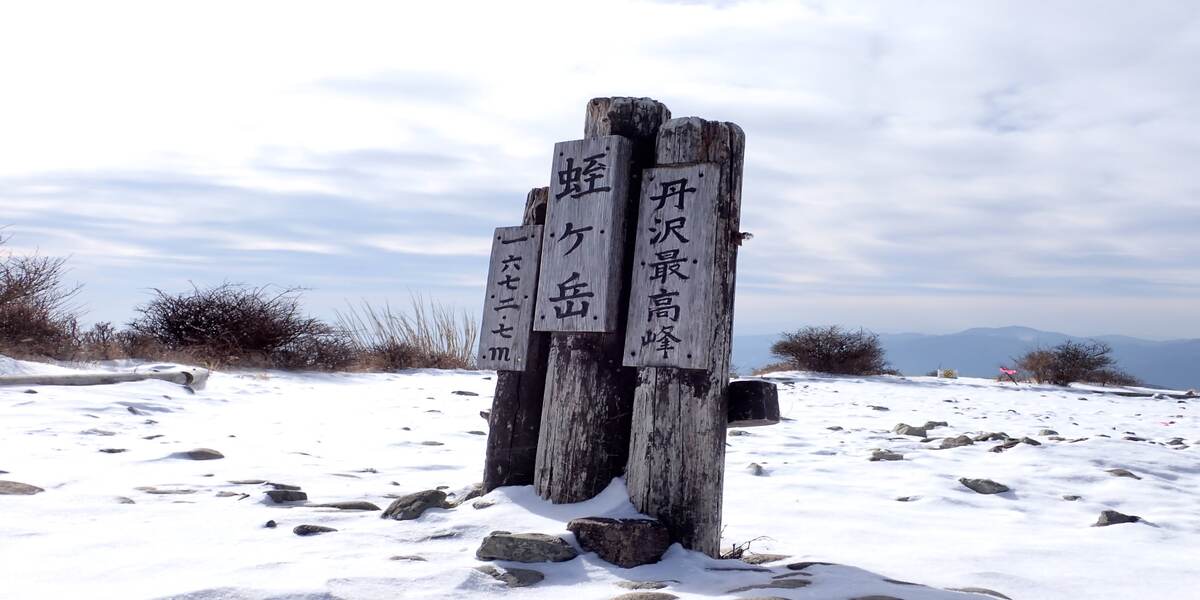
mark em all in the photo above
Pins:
pixel 584 437
pixel 677 450
pixel 517 405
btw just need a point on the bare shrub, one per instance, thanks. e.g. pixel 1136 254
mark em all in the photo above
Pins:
pixel 773 367
pixel 1070 362
pixel 37 311
pixel 832 350
pixel 1112 376
pixel 238 325
pixel 430 335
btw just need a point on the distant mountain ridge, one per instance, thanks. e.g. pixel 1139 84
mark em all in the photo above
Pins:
pixel 980 351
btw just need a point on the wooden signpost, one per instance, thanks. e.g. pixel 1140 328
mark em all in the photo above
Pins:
pixel 631 331
pixel 508 306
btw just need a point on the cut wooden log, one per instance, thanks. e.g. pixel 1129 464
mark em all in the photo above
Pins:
pixel 193 378
pixel 584 439
pixel 516 413
pixel 677 450
pixel 753 403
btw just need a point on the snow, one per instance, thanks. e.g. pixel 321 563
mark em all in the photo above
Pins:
pixel 359 437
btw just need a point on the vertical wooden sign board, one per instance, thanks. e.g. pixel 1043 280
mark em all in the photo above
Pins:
pixel 509 301
pixel 670 304
pixel 584 232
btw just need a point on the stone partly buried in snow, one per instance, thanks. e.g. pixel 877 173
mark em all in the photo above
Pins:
pixel 412 506
pixel 525 547
pixel 623 542
pixel 791 583
pixel 16 488
pixel 878 455
pixel 906 429
pixel 349 505
pixel 281 496
pixel 955 442
pixel 1112 517
pixel 1122 473
pixel 198 454
pixel 983 486
pixel 513 578
pixel 306 530
pixel 646 596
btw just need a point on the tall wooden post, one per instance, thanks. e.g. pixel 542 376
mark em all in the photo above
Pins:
pixel 677 450
pixel 584 437
pixel 517 405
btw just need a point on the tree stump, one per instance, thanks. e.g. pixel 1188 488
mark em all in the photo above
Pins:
pixel 677 450
pixel 584 437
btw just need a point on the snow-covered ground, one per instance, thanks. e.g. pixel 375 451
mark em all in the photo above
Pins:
pixel 374 436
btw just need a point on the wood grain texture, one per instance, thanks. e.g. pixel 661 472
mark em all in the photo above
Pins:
pixel 589 395
pixel 670 301
pixel 752 403
pixel 516 416
pixel 508 300
pixel 584 242
pixel 677 448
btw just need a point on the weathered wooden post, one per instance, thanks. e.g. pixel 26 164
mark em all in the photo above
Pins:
pixel 584 437
pixel 516 413
pixel 681 325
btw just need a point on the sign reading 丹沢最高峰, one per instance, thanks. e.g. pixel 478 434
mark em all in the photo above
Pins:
pixel 509 302
pixel 670 302
pixel 580 281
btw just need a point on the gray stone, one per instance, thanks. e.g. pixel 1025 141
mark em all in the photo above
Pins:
pixel 412 506
pixel 934 424
pixel 1071 497
pixel 760 559
pixel 834 428
pixel 755 469
pixel 642 585
pixel 955 442
pixel 778 584
pixel 646 596
pixel 1112 517
pixel 879 454
pixel 906 429
pixel 280 496
pixel 997 436
pixel 1122 473
pixel 198 454
pixel 877 407
pixel 513 578
pixel 1175 441
pixel 113 450
pixel 284 486
pixel 16 488
pixel 982 591
pixel 431 443
pixel 305 530
pixel 411 557
pixel 983 486
pixel 800 566
pixel 1047 432
pixel 475 491
pixel 483 504
pixel 149 489
pixel 463 393
pixel 349 505
pixel 738 432
pixel 525 547
pixel 907 498
pixel 124 500
pixel 623 542
pixel 248 481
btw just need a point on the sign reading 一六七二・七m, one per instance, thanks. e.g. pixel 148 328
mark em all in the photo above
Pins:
pixel 580 281
pixel 509 301
pixel 670 301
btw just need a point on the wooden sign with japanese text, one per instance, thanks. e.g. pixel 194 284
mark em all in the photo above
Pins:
pixel 509 302
pixel 584 234
pixel 670 303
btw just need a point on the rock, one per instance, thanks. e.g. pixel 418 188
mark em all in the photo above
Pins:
pixel 879 408
pixel 124 500
pixel 759 559
pixel 642 585
pixel 878 454
pixel 171 492
pixel 755 469
pixel 998 436
pixel 1056 438
pixel 463 393
pixel 513 578
pixel 646 596
pixel 907 498
pixel 778 584
pixel 623 542
pixel 280 496
pixel 738 432
pixel 431 443
pixel 525 547
pixel 834 428
pixel 312 530
pixel 284 486
pixel 270 524
pixel 113 450
pixel 412 557
pixel 1122 473
pixel 979 590
pixel 1030 441
pixel 152 437
pixel 934 424
pixel 1112 517
pixel 16 488
pixel 1047 432
pixel 476 432
pixel 486 414
pixel 412 506
pixel 349 505
pixel 800 566
pixel 1175 441
pixel 248 481
pixel 100 432
pixel 955 442
pixel 198 454
pixel 906 429
pixel 229 494
pixel 471 493
pixel 483 504
pixel 1071 497
pixel 983 486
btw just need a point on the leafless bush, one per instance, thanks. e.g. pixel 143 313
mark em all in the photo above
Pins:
pixel 37 313
pixel 1072 361
pixel 430 335
pixel 1112 376
pixel 239 325
pixel 832 350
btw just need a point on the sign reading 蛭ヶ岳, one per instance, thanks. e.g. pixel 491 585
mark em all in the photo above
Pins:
pixel 670 302
pixel 580 279
pixel 508 305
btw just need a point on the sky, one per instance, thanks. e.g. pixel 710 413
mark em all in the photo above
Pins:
pixel 910 166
